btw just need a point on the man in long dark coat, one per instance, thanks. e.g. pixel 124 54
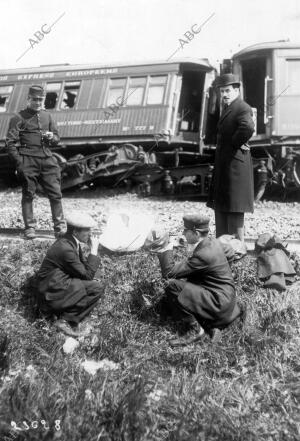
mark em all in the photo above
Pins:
pixel 65 280
pixel 200 290
pixel 232 192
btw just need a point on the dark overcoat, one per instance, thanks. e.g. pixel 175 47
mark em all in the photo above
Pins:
pixel 61 278
pixel 232 185
pixel 209 292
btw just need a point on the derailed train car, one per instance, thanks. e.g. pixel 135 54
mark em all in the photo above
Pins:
pixel 121 122
pixel 155 123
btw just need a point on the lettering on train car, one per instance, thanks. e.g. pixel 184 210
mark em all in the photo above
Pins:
pixel 88 122
pixel 35 76
pixel 78 73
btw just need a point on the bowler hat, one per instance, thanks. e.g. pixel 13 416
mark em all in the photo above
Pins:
pixel 227 80
pixel 36 91
pixel 78 219
pixel 196 222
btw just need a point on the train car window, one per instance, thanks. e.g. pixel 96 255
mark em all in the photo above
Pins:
pixel 156 89
pixel 116 91
pixel 293 76
pixel 52 95
pixel 71 89
pixel 5 93
pixel 136 90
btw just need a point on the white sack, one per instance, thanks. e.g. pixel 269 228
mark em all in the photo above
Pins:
pixel 126 232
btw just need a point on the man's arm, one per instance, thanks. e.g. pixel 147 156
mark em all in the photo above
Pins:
pixel 181 269
pixel 245 127
pixel 75 268
pixel 13 138
pixel 52 128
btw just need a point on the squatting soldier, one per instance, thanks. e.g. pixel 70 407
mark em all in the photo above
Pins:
pixel 34 128
pixel 199 290
pixel 65 282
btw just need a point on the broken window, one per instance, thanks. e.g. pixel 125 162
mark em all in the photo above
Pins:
pixel 156 89
pixel 5 93
pixel 52 95
pixel 71 90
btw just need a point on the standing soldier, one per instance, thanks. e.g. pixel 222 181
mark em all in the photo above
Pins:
pixel 232 192
pixel 34 128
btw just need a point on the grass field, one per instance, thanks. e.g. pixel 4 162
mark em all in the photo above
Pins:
pixel 244 388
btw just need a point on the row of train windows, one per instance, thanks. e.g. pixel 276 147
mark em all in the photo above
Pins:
pixel 135 91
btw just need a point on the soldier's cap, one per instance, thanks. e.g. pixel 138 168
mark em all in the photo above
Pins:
pixel 227 80
pixel 77 219
pixel 36 91
pixel 196 222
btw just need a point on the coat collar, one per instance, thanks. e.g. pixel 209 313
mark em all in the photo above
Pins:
pixel 71 239
pixel 230 108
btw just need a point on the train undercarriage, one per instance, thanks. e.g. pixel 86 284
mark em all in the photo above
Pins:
pixel 163 172
pixel 169 170
pixel 179 172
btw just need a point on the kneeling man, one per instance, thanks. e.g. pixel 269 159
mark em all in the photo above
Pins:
pixel 65 280
pixel 200 290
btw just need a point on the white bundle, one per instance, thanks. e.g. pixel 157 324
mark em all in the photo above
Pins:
pixel 125 232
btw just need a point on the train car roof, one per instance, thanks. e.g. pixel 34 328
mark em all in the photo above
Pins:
pixel 203 62
pixel 281 44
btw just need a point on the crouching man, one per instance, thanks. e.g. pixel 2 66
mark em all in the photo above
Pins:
pixel 199 290
pixel 65 280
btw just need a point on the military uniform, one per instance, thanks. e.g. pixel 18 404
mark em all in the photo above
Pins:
pixel 65 281
pixel 34 161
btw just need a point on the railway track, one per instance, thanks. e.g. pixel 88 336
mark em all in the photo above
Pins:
pixel 18 234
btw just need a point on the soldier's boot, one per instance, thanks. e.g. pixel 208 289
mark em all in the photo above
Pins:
pixel 29 221
pixel 29 233
pixel 57 217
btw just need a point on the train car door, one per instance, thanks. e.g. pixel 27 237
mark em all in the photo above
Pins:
pixel 255 72
pixel 287 92
pixel 190 105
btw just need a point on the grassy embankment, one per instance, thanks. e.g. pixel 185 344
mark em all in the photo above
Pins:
pixel 246 387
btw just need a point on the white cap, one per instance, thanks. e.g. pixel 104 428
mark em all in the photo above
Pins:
pixel 77 219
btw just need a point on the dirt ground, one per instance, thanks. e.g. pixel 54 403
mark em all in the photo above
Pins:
pixel 275 217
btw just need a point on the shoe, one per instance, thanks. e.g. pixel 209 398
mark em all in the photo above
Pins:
pixel 192 336
pixel 29 233
pixel 65 327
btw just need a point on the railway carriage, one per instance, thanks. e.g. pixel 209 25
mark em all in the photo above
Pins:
pixel 113 115
pixel 270 75
pixel 155 123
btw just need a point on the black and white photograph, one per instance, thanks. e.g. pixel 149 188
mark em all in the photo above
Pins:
pixel 150 220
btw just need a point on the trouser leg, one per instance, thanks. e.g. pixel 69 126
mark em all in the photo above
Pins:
pixel 236 225
pixel 76 313
pixel 51 182
pixel 30 173
pixel 221 223
pixel 177 311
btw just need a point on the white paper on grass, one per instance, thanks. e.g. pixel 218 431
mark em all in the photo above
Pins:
pixel 92 366
pixel 126 232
